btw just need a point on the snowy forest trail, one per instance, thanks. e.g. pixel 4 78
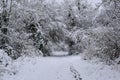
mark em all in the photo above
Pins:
pixel 61 68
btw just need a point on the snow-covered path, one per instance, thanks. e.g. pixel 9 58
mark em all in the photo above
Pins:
pixel 61 68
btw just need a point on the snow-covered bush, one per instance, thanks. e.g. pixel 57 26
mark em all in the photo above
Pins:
pixel 103 43
pixel 109 45
pixel 75 41
pixel 108 40
pixel 4 58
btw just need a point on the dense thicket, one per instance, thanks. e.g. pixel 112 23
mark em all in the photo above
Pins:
pixel 30 27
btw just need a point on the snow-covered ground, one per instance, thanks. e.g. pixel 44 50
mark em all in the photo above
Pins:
pixel 60 53
pixel 60 68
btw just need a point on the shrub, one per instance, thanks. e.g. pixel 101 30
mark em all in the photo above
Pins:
pixel 109 45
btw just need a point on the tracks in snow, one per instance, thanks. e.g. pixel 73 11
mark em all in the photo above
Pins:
pixel 75 73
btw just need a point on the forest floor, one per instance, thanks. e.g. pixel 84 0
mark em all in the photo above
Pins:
pixel 59 68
